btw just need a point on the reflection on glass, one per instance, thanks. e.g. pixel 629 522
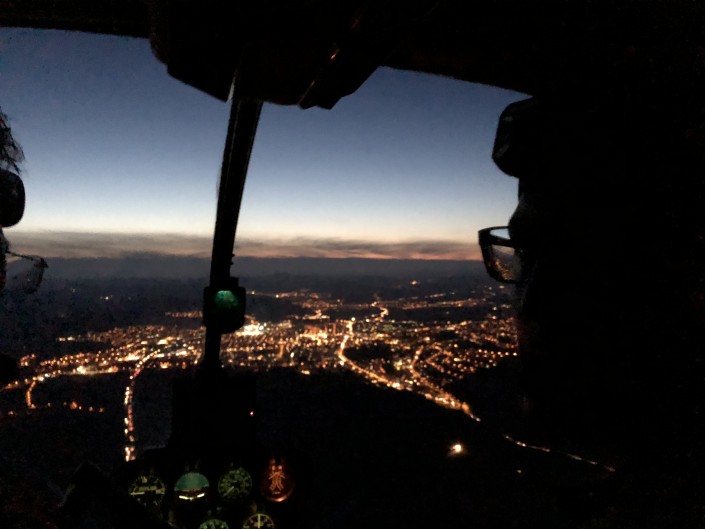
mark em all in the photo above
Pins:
pixel 499 254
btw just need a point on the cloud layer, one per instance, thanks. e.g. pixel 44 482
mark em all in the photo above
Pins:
pixel 112 245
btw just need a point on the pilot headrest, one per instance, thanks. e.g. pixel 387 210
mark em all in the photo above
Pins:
pixel 536 138
pixel 592 144
pixel 12 198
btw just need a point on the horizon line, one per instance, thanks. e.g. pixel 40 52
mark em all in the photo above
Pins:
pixel 154 255
pixel 71 244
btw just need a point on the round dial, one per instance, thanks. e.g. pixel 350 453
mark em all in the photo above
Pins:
pixel 258 521
pixel 213 523
pixel 191 487
pixel 235 484
pixel 148 489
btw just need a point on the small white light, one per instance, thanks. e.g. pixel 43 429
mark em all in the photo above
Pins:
pixel 457 449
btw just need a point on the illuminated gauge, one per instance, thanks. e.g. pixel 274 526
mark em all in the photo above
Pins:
pixel 277 482
pixel 191 486
pixel 258 521
pixel 235 484
pixel 148 489
pixel 214 523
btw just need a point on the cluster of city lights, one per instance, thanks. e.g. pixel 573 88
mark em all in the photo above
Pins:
pixel 417 360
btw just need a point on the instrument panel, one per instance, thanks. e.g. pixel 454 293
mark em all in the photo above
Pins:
pixel 206 494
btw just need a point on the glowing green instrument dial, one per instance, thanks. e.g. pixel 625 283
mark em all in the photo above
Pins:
pixel 258 521
pixel 191 487
pixel 235 484
pixel 148 489
pixel 213 523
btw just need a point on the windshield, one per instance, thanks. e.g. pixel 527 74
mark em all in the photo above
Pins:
pixel 369 310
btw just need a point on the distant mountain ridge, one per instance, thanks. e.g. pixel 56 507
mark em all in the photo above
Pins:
pixel 178 267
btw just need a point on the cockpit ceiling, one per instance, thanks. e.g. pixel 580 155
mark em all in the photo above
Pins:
pixel 313 52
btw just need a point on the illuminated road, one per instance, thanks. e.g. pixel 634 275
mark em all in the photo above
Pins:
pixel 438 395
pixel 423 385
pixel 130 393
pixel 31 383
pixel 384 312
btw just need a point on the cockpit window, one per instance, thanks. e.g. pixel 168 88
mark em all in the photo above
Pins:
pixel 357 247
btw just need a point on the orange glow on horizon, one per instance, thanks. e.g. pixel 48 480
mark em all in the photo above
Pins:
pixel 121 245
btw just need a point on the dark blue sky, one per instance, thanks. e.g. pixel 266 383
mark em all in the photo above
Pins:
pixel 121 157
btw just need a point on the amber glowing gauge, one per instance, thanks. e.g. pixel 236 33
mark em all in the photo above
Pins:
pixel 235 484
pixel 148 489
pixel 277 481
pixel 258 521
pixel 214 523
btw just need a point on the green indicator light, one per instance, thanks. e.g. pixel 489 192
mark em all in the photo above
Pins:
pixel 226 300
pixel 224 308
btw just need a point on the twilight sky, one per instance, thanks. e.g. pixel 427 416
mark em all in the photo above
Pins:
pixel 121 158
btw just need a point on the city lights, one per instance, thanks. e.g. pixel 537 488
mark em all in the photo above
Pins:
pixel 419 357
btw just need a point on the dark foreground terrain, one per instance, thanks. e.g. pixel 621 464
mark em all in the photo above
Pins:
pixel 368 457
